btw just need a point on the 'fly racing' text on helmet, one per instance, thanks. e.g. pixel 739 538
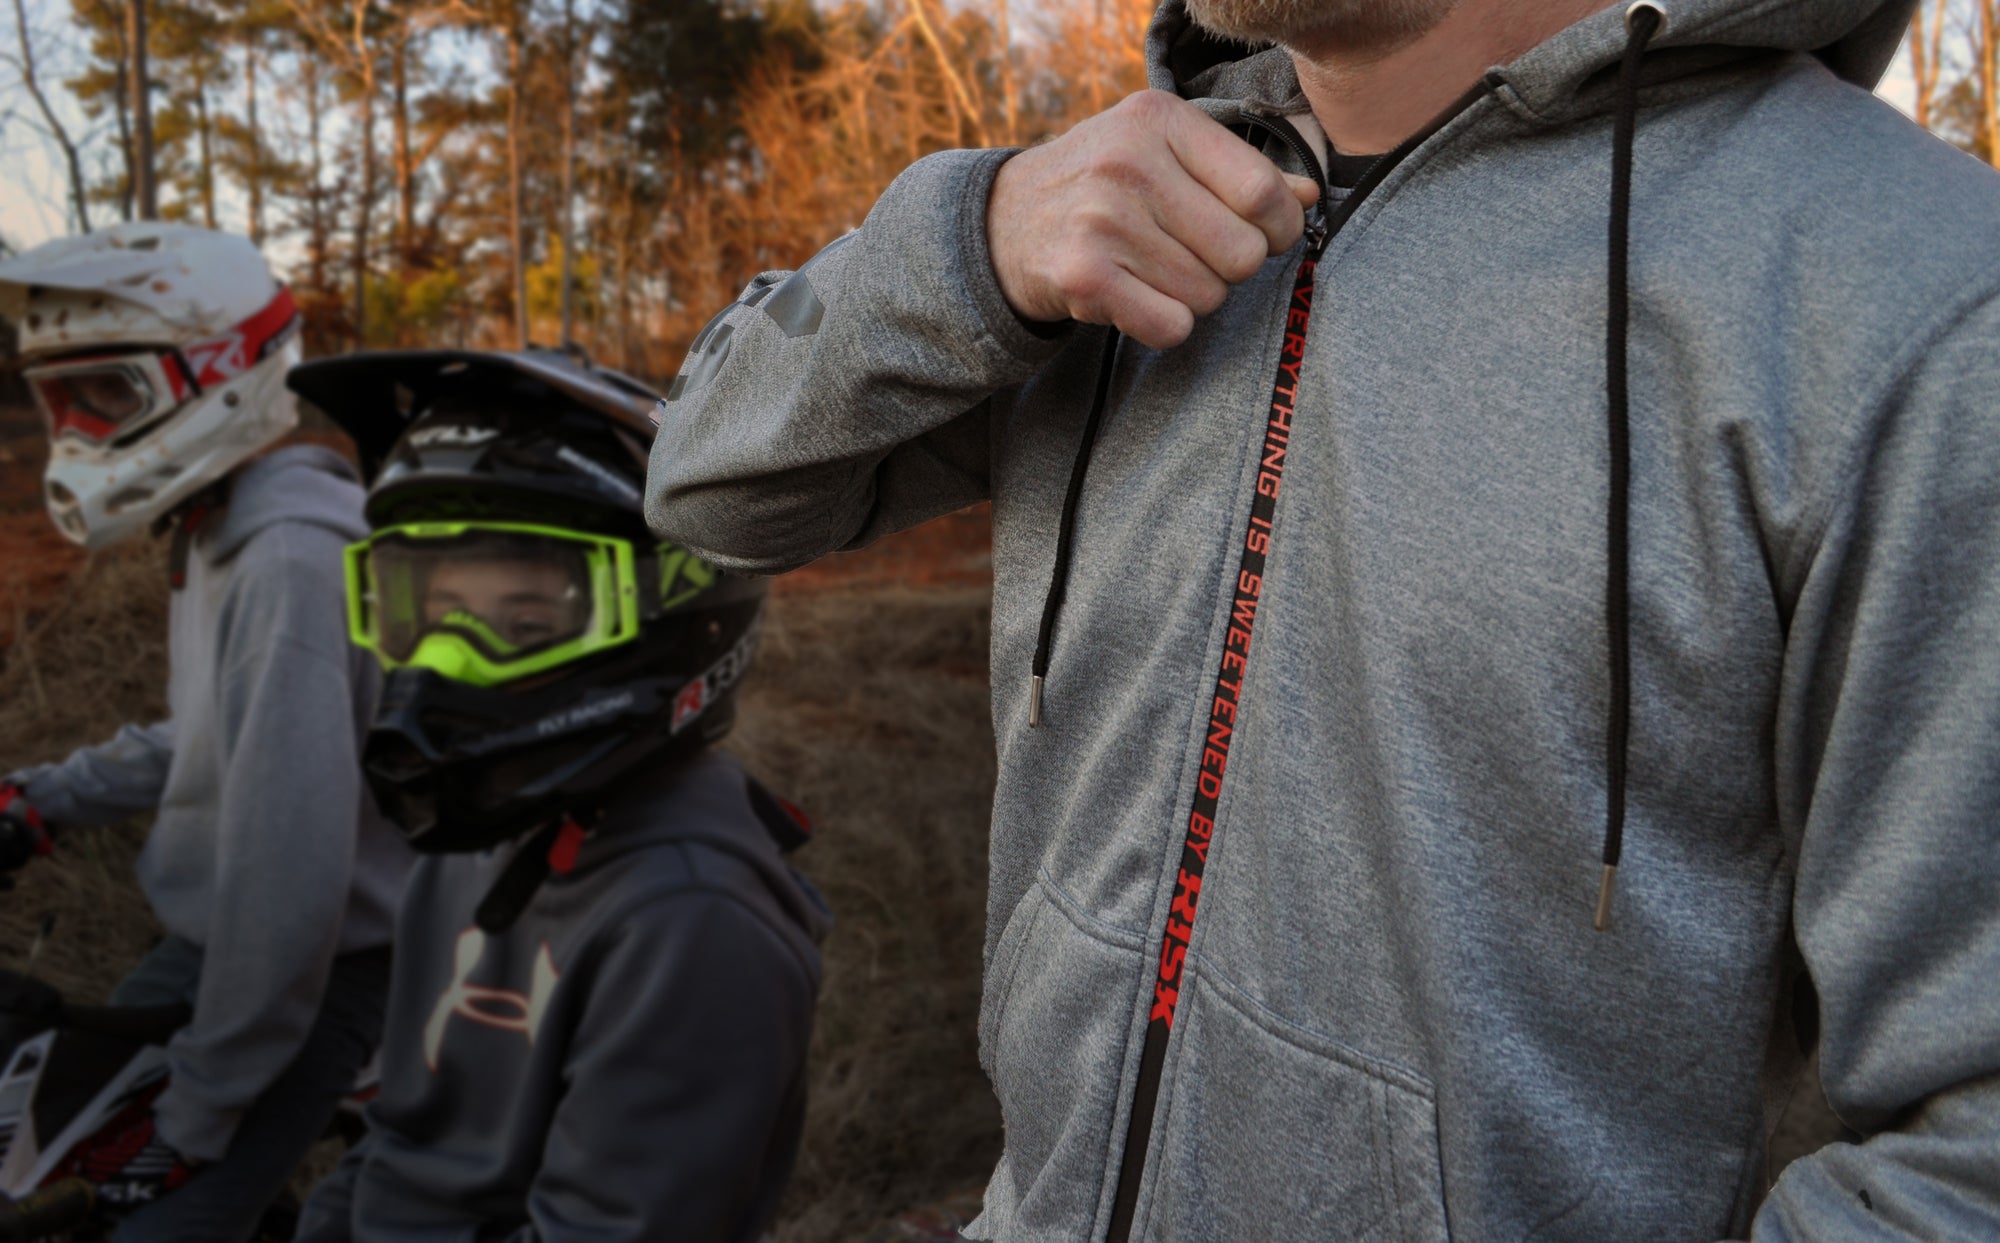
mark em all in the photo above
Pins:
pixel 540 644
pixel 156 354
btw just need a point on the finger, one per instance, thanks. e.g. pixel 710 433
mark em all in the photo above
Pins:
pixel 1238 174
pixel 1305 188
pixel 1139 311
pixel 1201 224
pixel 1169 266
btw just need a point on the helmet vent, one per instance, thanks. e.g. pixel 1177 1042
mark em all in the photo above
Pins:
pixel 127 498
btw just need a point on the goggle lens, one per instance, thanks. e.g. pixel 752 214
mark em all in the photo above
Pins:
pixel 508 595
pixel 93 401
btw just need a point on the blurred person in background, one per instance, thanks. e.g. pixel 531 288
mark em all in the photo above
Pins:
pixel 605 968
pixel 1623 712
pixel 157 355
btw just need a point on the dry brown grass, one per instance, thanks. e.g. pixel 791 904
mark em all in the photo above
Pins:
pixel 868 708
pixel 97 657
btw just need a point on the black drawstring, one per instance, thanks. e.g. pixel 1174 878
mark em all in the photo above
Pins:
pixel 1642 22
pixel 1066 535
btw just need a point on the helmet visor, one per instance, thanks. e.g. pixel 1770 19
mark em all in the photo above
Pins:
pixel 96 399
pixel 489 602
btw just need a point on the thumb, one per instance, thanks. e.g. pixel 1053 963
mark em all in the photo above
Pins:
pixel 1304 189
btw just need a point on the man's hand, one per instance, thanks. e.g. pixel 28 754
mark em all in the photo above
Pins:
pixel 1141 217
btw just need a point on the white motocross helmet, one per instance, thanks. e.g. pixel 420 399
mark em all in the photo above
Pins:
pixel 157 354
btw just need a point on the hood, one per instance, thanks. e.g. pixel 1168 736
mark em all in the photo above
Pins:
pixel 298 483
pixel 710 799
pixel 1566 76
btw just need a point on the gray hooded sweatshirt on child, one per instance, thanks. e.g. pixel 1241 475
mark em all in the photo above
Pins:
pixel 267 850
pixel 1394 1018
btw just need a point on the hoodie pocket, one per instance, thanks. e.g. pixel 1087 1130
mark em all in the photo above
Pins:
pixel 999 983
pixel 1277 1133
pixel 1053 1027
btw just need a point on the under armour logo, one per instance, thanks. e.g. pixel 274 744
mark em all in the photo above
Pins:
pixel 495 1007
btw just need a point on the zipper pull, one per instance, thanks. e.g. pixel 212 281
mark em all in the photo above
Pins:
pixel 1318 216
pixel 1317 231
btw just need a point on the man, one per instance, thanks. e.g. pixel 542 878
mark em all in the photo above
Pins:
pixel 157 354
pixel 605 969
pixel 1624 617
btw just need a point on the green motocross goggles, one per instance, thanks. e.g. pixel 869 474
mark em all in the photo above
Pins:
pixel 490 602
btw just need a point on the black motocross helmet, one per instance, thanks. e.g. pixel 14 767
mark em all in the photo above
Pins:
pixel 540 645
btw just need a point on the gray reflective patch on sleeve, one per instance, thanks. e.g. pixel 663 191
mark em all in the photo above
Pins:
pixel 758 295
pixel 795 308
pixel 703 359
pixel 702 367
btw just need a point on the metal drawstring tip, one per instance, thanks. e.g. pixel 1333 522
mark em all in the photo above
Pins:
pixel 1035 701
pixel 1604 896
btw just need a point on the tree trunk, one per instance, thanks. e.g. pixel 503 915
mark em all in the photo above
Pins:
pixel 254 160
pixel 1989 61
pixel 205 147
pixel 1091 64
pixel 516 37
pixel 364 72
pixel 316 230
pixel 78 200
pixel 568 215
pixel 121 101
pixel 406 172
pixel 1007 75
pixel 144 191
pixel 363 215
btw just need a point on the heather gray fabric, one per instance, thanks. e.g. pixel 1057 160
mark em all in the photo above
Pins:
pixel 626 1063
pixel 1397 1021
pixel 267 851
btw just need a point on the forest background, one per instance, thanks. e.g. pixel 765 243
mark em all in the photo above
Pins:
pixel 610 172
pixel 486 172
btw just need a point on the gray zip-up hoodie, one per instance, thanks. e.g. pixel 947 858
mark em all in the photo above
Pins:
pixel 626 1062
pixel 267 850
pixel 1393 1017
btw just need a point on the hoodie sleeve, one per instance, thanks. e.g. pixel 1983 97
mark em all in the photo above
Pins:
pixel 847 400
pixel 100 784
pixel 684 1080
pixel 1889 756
pixel 285 832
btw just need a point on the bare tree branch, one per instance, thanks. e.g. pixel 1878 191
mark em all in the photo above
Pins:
pixel 26 65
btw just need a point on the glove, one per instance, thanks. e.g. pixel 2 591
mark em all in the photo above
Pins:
pixel 22 833
pixel 127 1161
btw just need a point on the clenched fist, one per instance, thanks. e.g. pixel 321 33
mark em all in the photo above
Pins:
pixel 1141 217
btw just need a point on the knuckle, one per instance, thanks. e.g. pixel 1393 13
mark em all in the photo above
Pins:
pixel 1263 195
pixel 1243 255
pixel 1085 280
pixel 1149 107
pixel 1208 298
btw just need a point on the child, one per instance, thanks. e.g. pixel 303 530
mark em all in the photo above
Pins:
pixel 605 971
pixel 157 355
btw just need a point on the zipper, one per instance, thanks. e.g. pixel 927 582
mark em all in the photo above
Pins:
pixel 1276 418
pixel 1225 698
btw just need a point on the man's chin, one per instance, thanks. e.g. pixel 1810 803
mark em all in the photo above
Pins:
pixel 1315 27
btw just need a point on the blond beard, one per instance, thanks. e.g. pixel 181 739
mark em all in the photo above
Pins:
pixel 1363 26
